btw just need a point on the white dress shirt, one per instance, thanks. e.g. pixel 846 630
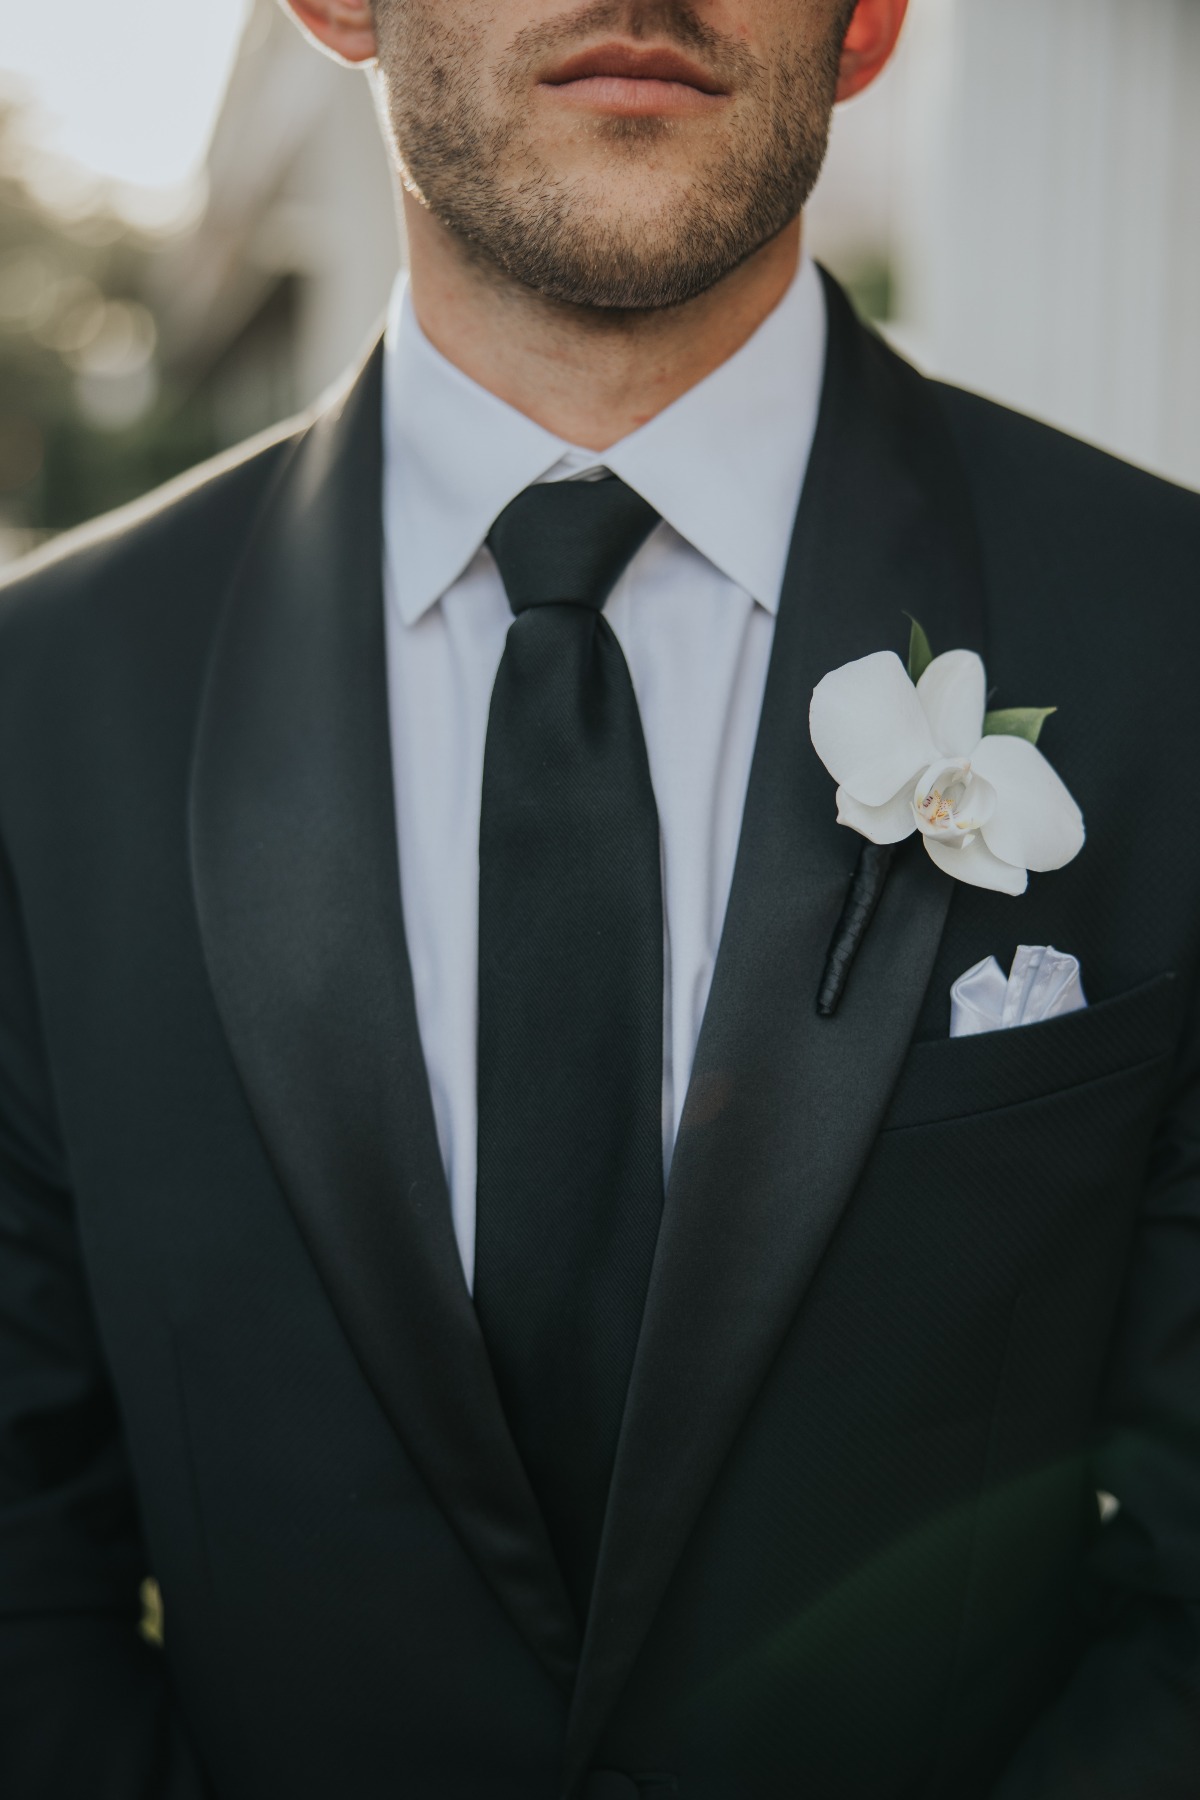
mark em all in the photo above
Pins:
pixel 694 614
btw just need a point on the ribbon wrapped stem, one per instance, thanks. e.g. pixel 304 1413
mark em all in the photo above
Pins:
pixel 863 897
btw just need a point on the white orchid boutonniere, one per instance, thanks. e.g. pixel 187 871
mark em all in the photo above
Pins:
pixel 918 751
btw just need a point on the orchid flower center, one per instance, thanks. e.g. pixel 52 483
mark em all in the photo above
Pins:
pixel 952 803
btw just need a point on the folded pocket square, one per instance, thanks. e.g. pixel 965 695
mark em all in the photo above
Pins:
pixel 1044 983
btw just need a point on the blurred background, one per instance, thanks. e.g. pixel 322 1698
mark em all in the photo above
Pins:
pixel 197 229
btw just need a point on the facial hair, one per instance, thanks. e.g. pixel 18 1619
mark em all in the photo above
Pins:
pixel 478 173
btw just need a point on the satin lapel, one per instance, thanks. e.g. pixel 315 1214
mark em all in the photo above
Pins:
pixel 297 889
pixel 783 1105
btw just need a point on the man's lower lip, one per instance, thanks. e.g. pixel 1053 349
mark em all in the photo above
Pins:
pixel 621 94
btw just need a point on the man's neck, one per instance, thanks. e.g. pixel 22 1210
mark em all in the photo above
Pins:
pixel 590 377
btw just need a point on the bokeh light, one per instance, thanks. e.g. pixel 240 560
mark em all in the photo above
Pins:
pixel 118 99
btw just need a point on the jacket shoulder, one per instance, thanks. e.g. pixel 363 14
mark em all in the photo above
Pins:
pixel 1022 469
pixel 188 531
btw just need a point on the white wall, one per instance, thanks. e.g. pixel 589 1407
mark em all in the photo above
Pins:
pixel 343 173
pixel 299 187
pixel 1041 160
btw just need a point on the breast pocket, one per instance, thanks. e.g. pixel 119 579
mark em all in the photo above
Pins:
pixel 944 1079
pixel 1011 1168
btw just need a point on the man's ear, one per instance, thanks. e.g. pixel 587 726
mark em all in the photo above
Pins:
pixel 869 43
pixel 344 29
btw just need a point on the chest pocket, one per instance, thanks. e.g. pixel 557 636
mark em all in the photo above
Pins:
pixel 953 1078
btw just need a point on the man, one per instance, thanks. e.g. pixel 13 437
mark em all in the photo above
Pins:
pixel 536 1351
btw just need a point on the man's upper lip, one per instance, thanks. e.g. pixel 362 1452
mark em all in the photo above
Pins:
pixel 629 63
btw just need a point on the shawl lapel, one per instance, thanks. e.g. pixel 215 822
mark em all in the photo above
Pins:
pixel 783 1105
pixel 297 892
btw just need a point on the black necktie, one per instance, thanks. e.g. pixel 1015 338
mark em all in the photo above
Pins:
pixel 570 1184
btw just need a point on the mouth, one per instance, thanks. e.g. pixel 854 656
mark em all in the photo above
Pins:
pixel 634 82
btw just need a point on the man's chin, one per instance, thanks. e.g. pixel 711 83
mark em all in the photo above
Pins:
pixel 620 247
pixel 598 237
pixel 620 284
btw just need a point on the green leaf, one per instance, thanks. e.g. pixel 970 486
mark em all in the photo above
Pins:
pixel 1018 721
pixel 919 653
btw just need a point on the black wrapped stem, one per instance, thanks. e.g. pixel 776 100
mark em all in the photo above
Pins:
pixel 865 892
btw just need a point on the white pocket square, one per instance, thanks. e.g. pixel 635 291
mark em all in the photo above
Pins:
pixel 1044 984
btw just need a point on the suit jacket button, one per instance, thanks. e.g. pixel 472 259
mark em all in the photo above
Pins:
pixel 608 1784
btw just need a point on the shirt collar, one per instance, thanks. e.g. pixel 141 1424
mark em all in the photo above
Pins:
pixel 724 465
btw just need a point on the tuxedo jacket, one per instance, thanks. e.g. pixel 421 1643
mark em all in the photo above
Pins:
pixel 916 1301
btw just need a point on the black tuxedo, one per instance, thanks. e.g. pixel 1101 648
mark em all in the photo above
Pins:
pixel 915 1300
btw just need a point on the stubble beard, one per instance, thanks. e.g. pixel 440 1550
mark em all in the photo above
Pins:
pixel 479 174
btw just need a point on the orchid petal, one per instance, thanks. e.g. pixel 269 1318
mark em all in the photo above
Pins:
pixel 975 864
pixel 953 693
pixel 889 824
pixel 1036 822
pixel 869 729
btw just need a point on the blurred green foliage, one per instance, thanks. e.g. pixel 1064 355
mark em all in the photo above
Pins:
pixel 85 419
pixel 871 283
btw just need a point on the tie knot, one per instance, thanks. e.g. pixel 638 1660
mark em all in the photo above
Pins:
pixel 569 542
